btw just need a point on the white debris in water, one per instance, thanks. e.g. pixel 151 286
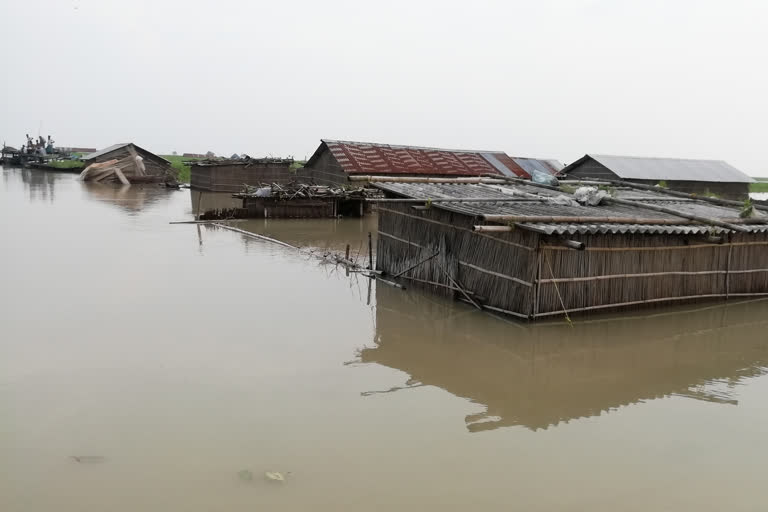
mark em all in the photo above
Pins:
pixel 275 476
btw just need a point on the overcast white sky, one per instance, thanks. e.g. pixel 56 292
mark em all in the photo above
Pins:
pixel 551 79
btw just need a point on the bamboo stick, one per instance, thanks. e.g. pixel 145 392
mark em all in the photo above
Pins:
pixel 670 211
pixel 660 247
pixel 628 276
pixel 203 221
pixel 415 265
pixel 495 274
pixel 434 283
pixel 103 174
pixel 414 179
pixel 662 190
pixel 518 199
pixel 390 283
pixel 492 229
pixel 498 310
pixel 728 272
pixel 583 220
pixel 457 285
pixel 253 235
pixel 121 177
pixel 649 301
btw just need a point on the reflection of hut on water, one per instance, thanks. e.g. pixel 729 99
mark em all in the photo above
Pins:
pixel 127 163
pixel 532 251
pixel 335 162
pixel 131 199
pixel 540 375
pixel 234 175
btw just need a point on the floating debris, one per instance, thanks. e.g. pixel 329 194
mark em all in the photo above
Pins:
pixel 245 475
pixel 88 459
pixel 304 191
pixel 275 476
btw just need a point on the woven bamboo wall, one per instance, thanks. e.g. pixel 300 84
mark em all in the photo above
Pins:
pixel 532 276
pixel 232 178
pixel 498 268
pixel 637 270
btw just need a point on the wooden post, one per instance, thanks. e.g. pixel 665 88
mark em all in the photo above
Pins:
pixel 728 269
pixel 346 257
pixel 370 252
pixel 537 289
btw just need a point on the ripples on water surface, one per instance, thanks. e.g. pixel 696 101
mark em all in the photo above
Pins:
pixel 168 358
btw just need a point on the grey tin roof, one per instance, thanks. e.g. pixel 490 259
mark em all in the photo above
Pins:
pixel 548 208
pixel 96 154
pixel 114 147
pixel 672 169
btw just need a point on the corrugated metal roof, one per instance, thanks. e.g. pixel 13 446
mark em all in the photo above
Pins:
pixel 114 147
pixel 533 164
pixel 549 208
pixel 384 159
pixel 104 151
pixel 672 169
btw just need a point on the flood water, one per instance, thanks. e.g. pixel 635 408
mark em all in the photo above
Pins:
pixel 155 367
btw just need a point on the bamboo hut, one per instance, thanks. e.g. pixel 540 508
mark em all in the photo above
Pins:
pixel 534 251
pixel 127 163
pixel 235 175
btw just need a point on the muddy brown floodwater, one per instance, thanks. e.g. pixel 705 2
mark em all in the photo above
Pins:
pixel 156 367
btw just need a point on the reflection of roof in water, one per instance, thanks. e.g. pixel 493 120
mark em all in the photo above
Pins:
pixel 131 198
pixel 540 375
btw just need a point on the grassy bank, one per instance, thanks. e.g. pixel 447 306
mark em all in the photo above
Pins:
pixel 177 162
pixel 66 164
pixel 760 186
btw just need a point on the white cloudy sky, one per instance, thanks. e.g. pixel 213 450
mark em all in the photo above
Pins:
pixel 557 79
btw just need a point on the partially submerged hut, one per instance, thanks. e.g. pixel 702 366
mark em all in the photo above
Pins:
pixel 235 175
pixel 337 162
pixel 533 252
pixel 701 177
pixel 127 163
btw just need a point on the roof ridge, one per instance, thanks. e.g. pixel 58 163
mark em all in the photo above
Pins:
pixel 658 158
pixel 404 146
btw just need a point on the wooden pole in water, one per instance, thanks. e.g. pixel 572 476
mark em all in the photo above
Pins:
pixel 346 257
pixel 370 252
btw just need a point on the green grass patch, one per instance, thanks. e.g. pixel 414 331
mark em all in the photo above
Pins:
pixel 177 162
pixel 66 164
pixel 760 186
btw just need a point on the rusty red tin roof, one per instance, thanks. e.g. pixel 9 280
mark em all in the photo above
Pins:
pixel 383 159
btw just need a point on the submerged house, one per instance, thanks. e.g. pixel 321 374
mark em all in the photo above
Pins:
pixel 234 175
pixel 702 177
pixel 127 163
pixel 534 252
pixel 335 161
